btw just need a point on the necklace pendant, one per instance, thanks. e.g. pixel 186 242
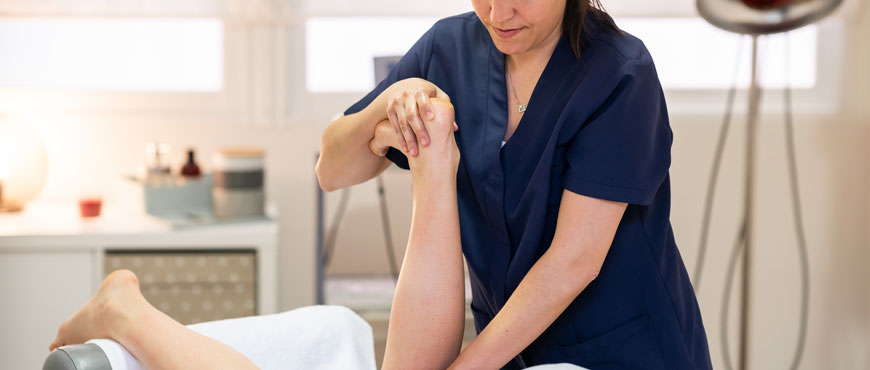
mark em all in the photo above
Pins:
pixel 522 107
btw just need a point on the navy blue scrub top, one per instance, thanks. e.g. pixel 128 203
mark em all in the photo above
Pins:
pixel 599 127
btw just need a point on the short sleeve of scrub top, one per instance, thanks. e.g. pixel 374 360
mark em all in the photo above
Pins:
pixel 622 153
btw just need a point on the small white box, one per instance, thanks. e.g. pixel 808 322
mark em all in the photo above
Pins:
pixel 179 197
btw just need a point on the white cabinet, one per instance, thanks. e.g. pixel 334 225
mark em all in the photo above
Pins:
pixel 38 290
pixel 52 262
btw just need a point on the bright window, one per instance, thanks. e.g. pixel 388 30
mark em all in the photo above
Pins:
pixel 340 50
pixel 690 54
pixel 124 54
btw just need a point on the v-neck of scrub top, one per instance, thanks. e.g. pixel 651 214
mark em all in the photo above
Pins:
pixel 531 126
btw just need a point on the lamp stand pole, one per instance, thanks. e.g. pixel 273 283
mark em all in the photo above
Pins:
pixel 748 203
pixel 319 274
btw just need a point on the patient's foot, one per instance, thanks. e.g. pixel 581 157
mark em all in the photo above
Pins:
pixel 118 296
pixel 442 151
pixel 442 125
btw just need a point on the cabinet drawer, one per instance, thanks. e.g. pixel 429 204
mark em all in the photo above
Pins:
pixel 193 286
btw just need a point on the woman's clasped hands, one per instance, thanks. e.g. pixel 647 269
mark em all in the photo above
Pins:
pixel 421 125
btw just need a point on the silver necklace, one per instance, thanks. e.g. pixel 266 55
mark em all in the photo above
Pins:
pixel 520 107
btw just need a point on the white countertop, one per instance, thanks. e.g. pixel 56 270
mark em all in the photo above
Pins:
pixel 50 224
pixel 63 219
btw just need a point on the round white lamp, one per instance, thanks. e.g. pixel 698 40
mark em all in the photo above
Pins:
pixel 23 165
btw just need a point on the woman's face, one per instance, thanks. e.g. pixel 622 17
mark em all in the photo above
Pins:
pixel 517 26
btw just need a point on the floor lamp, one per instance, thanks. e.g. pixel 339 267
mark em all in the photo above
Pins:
pixel 757 18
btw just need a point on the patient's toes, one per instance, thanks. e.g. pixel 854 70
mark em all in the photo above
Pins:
pixel 54 344
pixel 62 336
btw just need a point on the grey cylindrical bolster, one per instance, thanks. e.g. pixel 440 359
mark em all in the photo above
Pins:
pixel 86 356
pixel 238 179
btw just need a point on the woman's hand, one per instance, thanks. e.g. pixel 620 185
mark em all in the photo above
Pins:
pixel 408 103
pixel 386 137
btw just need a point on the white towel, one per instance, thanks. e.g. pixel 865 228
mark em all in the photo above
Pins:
pixel 315 337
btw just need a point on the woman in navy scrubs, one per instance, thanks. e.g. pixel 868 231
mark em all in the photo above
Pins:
pixel 562 187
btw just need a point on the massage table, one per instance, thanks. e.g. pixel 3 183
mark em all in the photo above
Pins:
pixel 314 337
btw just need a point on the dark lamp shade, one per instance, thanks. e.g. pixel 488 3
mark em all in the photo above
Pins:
pixel 764 16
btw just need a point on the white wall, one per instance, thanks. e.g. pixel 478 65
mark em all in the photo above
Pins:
pixel 834 182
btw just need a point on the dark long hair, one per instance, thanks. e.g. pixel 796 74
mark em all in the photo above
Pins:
pixel 576 21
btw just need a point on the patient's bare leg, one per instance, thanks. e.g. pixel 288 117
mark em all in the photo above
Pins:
pixel 428 312
pixel 119 311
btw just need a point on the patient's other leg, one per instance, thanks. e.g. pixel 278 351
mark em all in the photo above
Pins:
pixel 119 312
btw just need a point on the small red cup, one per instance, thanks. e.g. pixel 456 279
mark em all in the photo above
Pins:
pixel 90 207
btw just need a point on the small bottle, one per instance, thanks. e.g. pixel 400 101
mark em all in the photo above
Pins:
pixel 190 168
pixel 158 171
